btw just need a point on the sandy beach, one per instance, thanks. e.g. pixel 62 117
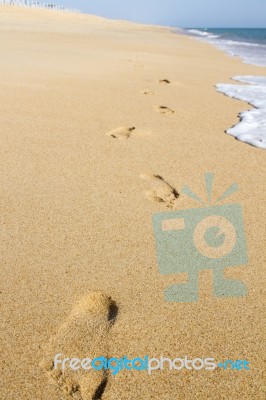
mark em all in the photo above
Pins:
pixel 102 124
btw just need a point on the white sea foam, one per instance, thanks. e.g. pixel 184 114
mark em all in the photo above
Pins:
pixel 251 53
pixel 245 44
pixel 197 32
pixel 252 127
pixel 202 33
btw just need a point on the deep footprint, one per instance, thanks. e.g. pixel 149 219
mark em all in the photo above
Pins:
pixel 83 335
pixel 120 133
pixel 161 191
pixel 164 110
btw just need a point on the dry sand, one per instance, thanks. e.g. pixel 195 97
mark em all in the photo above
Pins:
pixel 76 215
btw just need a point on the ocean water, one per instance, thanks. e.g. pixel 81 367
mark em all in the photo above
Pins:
pixel 250 46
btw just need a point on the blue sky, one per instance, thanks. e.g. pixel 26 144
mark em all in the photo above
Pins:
pixel 183 13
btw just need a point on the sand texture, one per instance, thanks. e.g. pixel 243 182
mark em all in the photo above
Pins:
pixel 102 124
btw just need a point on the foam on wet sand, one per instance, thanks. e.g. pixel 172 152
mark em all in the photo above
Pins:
pixel 252 127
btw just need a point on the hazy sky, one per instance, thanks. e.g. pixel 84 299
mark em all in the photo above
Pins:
pixel 183 13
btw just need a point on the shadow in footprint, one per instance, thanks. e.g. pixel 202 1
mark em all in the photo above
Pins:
pixel 113 312
pixel 164 82
pixel 147 92
pixel 100 390
pixel 164 110
pixel 161 191
pixel 120 133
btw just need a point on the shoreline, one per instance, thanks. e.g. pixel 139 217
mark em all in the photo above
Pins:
pixel 214 37
pixel 95 141
pixel 251 128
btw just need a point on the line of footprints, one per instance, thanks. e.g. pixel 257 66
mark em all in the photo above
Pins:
pixel 85 332
pixel 125 132
pixel 160 190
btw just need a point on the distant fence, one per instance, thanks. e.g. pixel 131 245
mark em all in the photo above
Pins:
pixel 37 4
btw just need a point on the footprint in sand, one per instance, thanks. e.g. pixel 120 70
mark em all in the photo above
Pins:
pixel 161 191
pixel 120 133
pixel 164 110
pixel 164 82
pixel 83 335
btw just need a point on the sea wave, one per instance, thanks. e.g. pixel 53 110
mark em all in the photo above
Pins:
pixel 202 33
pixel 249 51
pixel 247 44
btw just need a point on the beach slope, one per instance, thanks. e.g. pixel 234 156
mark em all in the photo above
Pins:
pixel 102 124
